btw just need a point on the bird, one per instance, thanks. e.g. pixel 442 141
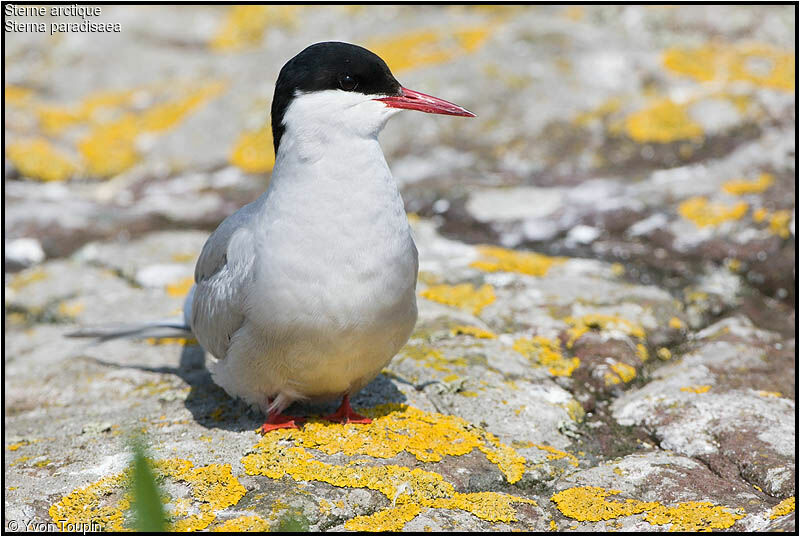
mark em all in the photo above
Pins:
pixel 309 291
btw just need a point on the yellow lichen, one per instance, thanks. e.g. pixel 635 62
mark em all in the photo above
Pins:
pixel 759 64
pixel 696 389
pixel 243 523
pixel 575 410
pixel 87 505
pixel 662 121
pixel 391 519
pixel 473 331
pixel 692 516
pixel 461 296
pixel 25 278
pixel 547 353
pixel 598 321
pixel 213 488
pixel 16 94
pixel 676 324
pixel 171 341
pixel 394 429
pixel 641 352
pixel 617 269
pixel 244 26
pixel 602 111
pixel 779 223
pixel 664 353
pixel 71 308
pixel 496 259
pixel 110 147
pixel 764 393
pixel 621 373
pixel 784 508
pixel 180 288
pixel 554 454
pixel 432 358
pixel 743 187
pixel 428 47
pixel 253 151
pixel 38 159
pixel 590 504
pixel 703 213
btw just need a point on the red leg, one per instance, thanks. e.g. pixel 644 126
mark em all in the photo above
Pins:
pixel 276 420
pixel 345 414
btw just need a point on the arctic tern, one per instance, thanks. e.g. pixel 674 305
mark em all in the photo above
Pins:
pixel 310 290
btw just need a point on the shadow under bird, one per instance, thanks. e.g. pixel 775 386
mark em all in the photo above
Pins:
pixel 310 290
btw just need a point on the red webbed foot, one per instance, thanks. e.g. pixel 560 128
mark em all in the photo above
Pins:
pixel 276 420
pixel 345 414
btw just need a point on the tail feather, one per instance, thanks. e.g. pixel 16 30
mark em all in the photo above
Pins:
pixel 157 329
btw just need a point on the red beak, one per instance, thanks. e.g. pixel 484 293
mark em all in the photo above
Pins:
pixel 414 100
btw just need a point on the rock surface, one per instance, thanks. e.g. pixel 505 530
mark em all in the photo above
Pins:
pixel 607 271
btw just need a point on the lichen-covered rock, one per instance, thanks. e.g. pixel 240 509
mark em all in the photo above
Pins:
pixel 606 289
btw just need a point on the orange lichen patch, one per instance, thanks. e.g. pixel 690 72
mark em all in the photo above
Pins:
pixel 496 259
pixel 38 159
pixel 784 508
pixel 662 121
pixel 213 488
pixel 597 321
pixel 621 373
pixel 554 454
pixel 253 151
pixel 547 353
pixel 428 47
pixel 181 287
pixel 463 296
pixel 703 213
pixel 696 389
pixel 16 445
pixel 244 26
pixel 473 331
pixel 743 187
pixel 394 429
pixel 590 504
pixel 759 64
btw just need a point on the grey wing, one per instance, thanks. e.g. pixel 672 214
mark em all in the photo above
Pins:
pixel 222 274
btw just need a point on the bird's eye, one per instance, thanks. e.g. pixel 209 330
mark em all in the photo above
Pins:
pixel 347 82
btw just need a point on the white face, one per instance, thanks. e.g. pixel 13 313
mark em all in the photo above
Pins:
pixel 336 112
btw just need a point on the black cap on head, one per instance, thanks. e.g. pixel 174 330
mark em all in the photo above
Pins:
pixel 329 66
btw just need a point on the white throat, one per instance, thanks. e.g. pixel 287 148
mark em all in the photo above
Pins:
pixel 331 123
